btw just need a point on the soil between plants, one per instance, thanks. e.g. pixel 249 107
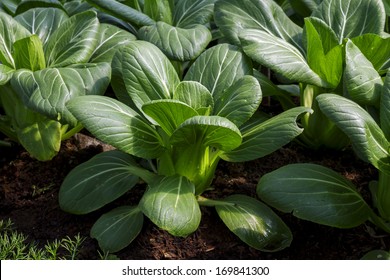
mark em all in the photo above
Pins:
pixel 29 191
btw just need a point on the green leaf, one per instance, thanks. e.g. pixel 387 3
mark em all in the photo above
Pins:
pixel 116 124
pixel 177 43
pixel 211 131
pixel 28 53
pixel 324 56
pixel 218 68
pixel 116 229
pixel 10 32
pixel 314 193
pixel 367 138
pixel 159 10
pixel 189 13
pixel 240 101
pixel 385 107
pixel 235 16
pixel 122 11
pixel 375 48
pixel 260 138
pixel 48 90
pixel 42 21
pixel 170 203
pixel 376 255
pixel 278 55
pixel 27 5
pixel 168 113
pixel 110 39
pixel 352 18
pixel 145 71
pixel 74 41
pixel 193 94
pixel 96 182
pixel 5 74
pixel 304 7
pixel 254 223
pixel 362 81
pixel 10 5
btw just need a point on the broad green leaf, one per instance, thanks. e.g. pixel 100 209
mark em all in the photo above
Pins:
pixel 48 90
pixel 385 107
pixel 304 7
pixel 74 41
pixel 235 16
pixel 367 138
pixel 145 71
pixel 116 229
pixel 376 255
pixel 193 94
pixel 110 39
pixel 210 131
pixel 240 101
pixel 168 113
pixel 278 55
pixel 352 18
pixel 10 32
pixel 159 10
pixel 254 223
pixel 10 5
pixel 218 68
pixel 170 203
pixel 324 56
pixel 42 21
pixel 122 11
pixel 26 5
pixel 28 53
pixel 177 43
pixel 5 74
pixel 189 13
pixel 375 48
pixel 75 7
pixel 315 193
pixel 362 81
pixel 260 138
pixel 117 124
pixel 96 182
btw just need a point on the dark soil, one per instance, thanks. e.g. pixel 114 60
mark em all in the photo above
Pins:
pixel 29 189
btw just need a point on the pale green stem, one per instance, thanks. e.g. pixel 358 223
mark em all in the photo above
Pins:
pixel 203 201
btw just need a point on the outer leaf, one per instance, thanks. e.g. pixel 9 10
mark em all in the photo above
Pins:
pixel 110 39
pixel 159 10
pixel 193 94
pixel 235 16
pixel 315 193
pixel 5 74
pixel 177 43
pixel 375 48
pixel 376 255
pixel 255 223
pixel 116 229
pixel 240 101
pixel 170 203
pixel 279 56
pixel 74 41
pixel 260 138
pixel 48 90
pixel 218 68
pixel 352 18
pixel 367 138
pixel 26 5
pixel 28 53
pixel 362 81
pixel 113 122
pixel 94 183
pixel 385 107
pixel 10 5
pixel 188 13
pixel 169 114
pixel 122 11
pixel 211 131
pixel 145 71
pixel 42 21
pixel 10 32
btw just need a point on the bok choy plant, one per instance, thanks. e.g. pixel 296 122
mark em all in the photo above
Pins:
pixel 171 134
pixel 48 58
pixel 316 57
pixel 179 28
pixel 319 194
